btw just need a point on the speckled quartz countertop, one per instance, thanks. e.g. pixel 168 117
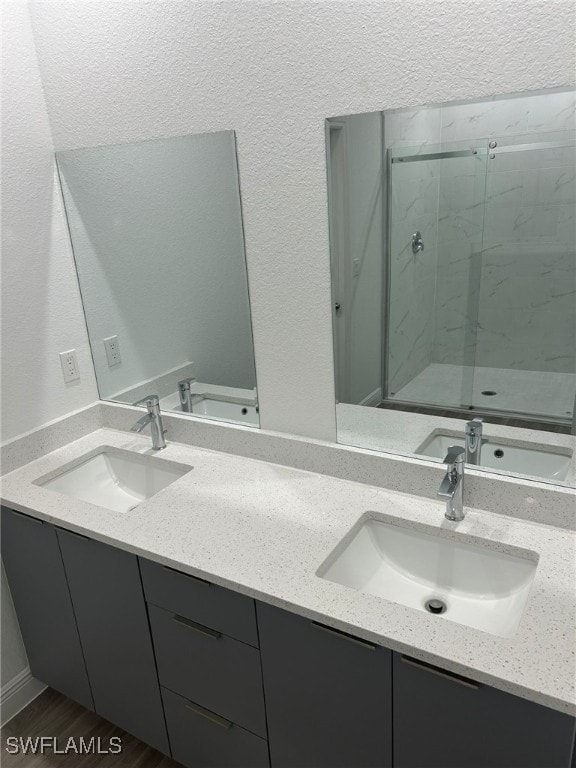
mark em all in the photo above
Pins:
pixel 264 530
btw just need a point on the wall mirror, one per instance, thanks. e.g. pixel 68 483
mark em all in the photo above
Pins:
pixel 156 230
pixel 452 239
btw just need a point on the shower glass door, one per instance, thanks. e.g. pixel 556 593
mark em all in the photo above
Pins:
pixel 436 196
pixel 525 360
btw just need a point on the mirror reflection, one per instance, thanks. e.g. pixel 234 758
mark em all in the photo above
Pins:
pixel 156 230
pixel 452 236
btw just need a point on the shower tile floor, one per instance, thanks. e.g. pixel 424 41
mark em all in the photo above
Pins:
pixel 530 392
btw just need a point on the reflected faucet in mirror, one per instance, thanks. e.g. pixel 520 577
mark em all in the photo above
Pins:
pixel 185 394
pixel 473 434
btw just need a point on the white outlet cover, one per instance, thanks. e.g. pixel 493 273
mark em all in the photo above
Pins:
pixel 112 347
pixel 69 363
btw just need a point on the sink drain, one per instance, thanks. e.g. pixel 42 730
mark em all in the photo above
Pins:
pixel 435 606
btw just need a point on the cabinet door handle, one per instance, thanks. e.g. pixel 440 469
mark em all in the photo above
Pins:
pixel 73 533
pixel 440 672
pixel 196 579
pixel 197 627
pixel 27 517
pixel 344 636
pixel 212 716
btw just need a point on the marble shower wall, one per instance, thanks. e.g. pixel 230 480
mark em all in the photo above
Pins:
pixel 414 198
pixel 526 308
pixel 528 295
pixel 496 283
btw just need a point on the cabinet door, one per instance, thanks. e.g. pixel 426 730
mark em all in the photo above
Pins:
pixel 42 601
pixel 443 720
pixel 328 695
pixel 113 624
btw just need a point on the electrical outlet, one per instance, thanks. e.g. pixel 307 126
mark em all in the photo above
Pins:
pixel 112 347
pixel 69 364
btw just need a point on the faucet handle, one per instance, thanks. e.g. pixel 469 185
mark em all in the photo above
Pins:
pixel 148 400
pixel 455 455
pixel 185 383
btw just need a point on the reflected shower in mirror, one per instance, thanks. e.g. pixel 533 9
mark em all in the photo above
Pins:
pixel 452 237
pixel 157 236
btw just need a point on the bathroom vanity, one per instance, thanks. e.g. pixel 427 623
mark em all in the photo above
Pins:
pixel 202 620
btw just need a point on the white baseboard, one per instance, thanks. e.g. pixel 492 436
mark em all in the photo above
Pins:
pixel 17 694
pixel 374 398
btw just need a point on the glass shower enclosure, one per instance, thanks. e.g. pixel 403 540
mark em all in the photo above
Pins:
pixel 480 312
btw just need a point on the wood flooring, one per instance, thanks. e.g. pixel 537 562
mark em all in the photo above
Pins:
pixel 52 714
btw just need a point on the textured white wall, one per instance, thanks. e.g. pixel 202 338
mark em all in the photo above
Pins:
pixel 158 240
pixel 41 309
pixel 123 71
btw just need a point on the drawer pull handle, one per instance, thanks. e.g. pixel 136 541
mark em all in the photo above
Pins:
pixel 197 627
pixel 345 636
pixel 454 678
pixel 212 716
pixel 196 579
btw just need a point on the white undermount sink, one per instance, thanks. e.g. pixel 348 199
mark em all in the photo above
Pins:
pixel 215 408
pixel 509 457
pixel 114 478
pixel 479 585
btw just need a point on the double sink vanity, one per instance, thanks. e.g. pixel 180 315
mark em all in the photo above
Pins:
pixel 234 612
pixel 290 602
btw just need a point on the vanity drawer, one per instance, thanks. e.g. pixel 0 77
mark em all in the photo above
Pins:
pixel 205 666
pixel 199 737
pixel 200 601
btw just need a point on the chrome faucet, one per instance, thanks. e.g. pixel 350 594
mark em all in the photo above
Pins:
pixel 452 486
pixel 154 418
pixel 185 394
pixel 473 441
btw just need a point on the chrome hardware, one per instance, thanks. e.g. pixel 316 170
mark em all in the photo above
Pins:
pixel 473 441
pixel 154 418
pixel 417 242
pixel 185 394
pixel 493 144
pixel 452 486
pixel 337 306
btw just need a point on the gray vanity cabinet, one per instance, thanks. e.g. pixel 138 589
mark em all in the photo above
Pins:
pixel 328 695
pixel 206 643
pixel 42 601
pixel 442 720
pixel 112 621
